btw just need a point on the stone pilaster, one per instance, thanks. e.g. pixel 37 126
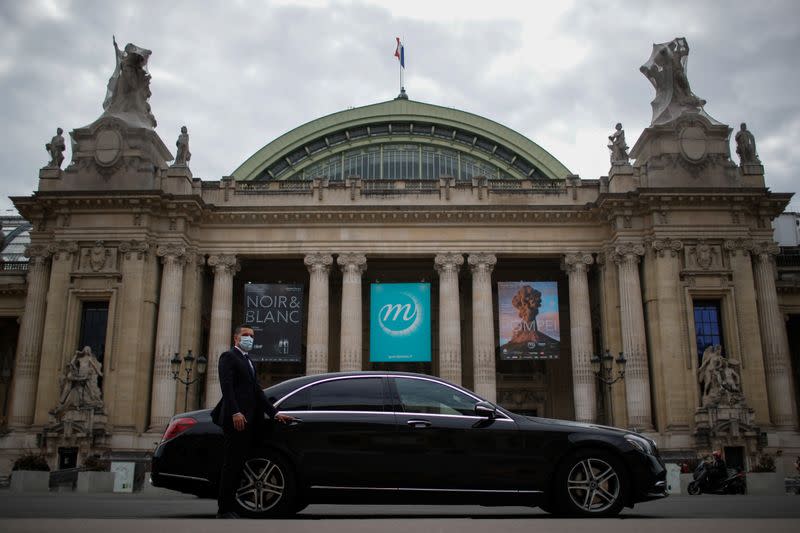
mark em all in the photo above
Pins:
pixel 583 379
pixel 26 372
pixel 754 384
pixel 190 326
pixel 319 268
pixel 668 355
pixel 448 265
pixel 168 332
pixel 483 345
pixel 634 345
pixel 54 352
pixel 773 338
pixel 352 265
pixel 220 337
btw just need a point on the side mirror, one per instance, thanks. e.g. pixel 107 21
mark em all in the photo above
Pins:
pixel 485 409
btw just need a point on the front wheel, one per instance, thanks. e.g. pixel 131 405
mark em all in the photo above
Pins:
pixel 591 483
pixel 267 489
pixel 693 488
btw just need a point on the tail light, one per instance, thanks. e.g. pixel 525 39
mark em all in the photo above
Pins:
pixel 176 427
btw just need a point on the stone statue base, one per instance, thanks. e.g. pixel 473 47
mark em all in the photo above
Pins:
pixel 751 169
pixel 718 426
pixel 85 429
pixel 622 177
pixel 50 173
pixel 177 180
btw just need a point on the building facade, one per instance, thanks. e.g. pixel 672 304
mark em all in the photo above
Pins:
pixel 535 277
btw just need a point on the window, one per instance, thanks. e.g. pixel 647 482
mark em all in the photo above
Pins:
pixel 423 396
pixel 296 402
pixel 707 326
pixel 94 322
pixel 355 394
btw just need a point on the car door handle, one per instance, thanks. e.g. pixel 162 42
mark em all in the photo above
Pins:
pixel 419 424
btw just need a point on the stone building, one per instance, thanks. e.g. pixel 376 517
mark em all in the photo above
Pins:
pixel 668 260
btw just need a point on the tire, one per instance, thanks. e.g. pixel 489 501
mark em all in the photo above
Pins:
pixel 693 488
pixel 268 487
pixel 591 483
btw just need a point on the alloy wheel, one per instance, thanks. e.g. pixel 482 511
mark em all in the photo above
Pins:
pixel 263 485
pixel 593 485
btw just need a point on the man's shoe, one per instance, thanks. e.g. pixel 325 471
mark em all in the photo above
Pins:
pixel 228 514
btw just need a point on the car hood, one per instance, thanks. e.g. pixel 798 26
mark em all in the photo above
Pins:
pixel 572 425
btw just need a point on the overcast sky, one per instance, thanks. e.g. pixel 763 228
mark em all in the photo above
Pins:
pixel 241 73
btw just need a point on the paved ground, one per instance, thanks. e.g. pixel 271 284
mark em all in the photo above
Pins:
pixel 121 513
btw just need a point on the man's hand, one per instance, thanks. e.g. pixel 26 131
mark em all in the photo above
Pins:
pixel 239 421
pixel 284 419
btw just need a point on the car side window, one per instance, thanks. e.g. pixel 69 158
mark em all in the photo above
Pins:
pixel 355 394
pixel 423 396
pixel 296 402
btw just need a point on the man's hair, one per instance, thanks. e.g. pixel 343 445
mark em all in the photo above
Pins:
pixel 240 327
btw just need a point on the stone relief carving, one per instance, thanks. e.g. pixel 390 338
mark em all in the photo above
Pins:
pixel 746 146
pixel 79 383
pixel 718 378
pixel 183 155
pixel 618 147
pixel 666 70
pixel 96 258
pixel 704 256
pixel 129 87
pixel 56 148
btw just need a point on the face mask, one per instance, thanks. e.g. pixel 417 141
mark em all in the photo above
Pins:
pixel 246 343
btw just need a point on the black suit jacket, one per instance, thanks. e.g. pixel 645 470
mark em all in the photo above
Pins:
pixel 241 392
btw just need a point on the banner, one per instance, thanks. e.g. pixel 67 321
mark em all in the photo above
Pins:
pixel 528 316
pixel 400 322
pixel 276 313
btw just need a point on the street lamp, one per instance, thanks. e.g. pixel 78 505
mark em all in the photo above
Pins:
pixel 187 361
pixel 602 366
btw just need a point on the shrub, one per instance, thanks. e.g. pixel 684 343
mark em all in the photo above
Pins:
pixel 31 461
pixel 94 463
pixel 766 463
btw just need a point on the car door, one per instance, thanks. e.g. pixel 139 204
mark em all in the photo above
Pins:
pixel 442 444
pixel 341 430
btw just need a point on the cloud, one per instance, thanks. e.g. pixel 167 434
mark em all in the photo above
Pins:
pixel 239 74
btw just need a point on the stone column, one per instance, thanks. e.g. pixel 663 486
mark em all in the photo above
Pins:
pixel 483 346
pixel 448 265
pixel 220 335
pixel 168 332
pixel 773 338
pixel 29 347
pixel 634 344
pixel 319 267
pixel 352 265
pixel 580 320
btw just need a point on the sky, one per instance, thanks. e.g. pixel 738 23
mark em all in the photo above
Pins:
pixel 239 74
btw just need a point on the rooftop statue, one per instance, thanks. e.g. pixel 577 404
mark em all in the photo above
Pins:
pixel 129 87
pixel 666 70
pixel 183 154
pixel 746 146
pixel 56 148
pixel 618 147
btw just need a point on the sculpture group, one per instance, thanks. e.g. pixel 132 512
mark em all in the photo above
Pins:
pixel 718 378
pixel 80 388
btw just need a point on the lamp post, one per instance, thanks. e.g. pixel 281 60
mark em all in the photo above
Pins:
pixel 602 366
pixel 187 362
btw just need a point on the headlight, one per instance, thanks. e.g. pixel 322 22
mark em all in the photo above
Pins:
pixel 645 445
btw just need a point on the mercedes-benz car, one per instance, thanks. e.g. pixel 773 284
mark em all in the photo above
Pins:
pixel 393 437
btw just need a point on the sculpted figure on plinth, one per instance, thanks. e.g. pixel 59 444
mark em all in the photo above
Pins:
pixel 129 87
pixel 719 378
pixel 56 148
pixel 746 146
pixel 666 70
pixel 183 155
pixel 79 383
pixel 619 150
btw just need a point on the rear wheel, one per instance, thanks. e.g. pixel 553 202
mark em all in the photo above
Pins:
pixel 591 483
pixel 693 488
pixel 267 489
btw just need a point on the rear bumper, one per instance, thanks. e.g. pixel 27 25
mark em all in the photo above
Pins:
pixel 163 474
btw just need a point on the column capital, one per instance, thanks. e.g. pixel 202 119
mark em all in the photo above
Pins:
pixel 481 262
pixel 65 249
pixel 629 252
pixel 448 262
pixel 765 251
pixel 318 262
pixel 662 246
pixel 352 262
pixel 171 253
pixel 577 261
pixel 223 263
pixel 37 254
pixel 739 245
pixel 133 248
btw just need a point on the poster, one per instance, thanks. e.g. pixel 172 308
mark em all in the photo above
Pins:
pixel 528 316
pixel 400 322
pixel 276 313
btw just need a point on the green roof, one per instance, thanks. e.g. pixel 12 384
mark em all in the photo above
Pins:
pixel 463 131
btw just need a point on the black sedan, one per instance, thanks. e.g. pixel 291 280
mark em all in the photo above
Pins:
pixel 392 437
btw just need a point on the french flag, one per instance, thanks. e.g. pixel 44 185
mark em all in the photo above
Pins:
pixel 400 53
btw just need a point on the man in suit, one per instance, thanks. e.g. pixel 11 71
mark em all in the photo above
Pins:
pixel 240 412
